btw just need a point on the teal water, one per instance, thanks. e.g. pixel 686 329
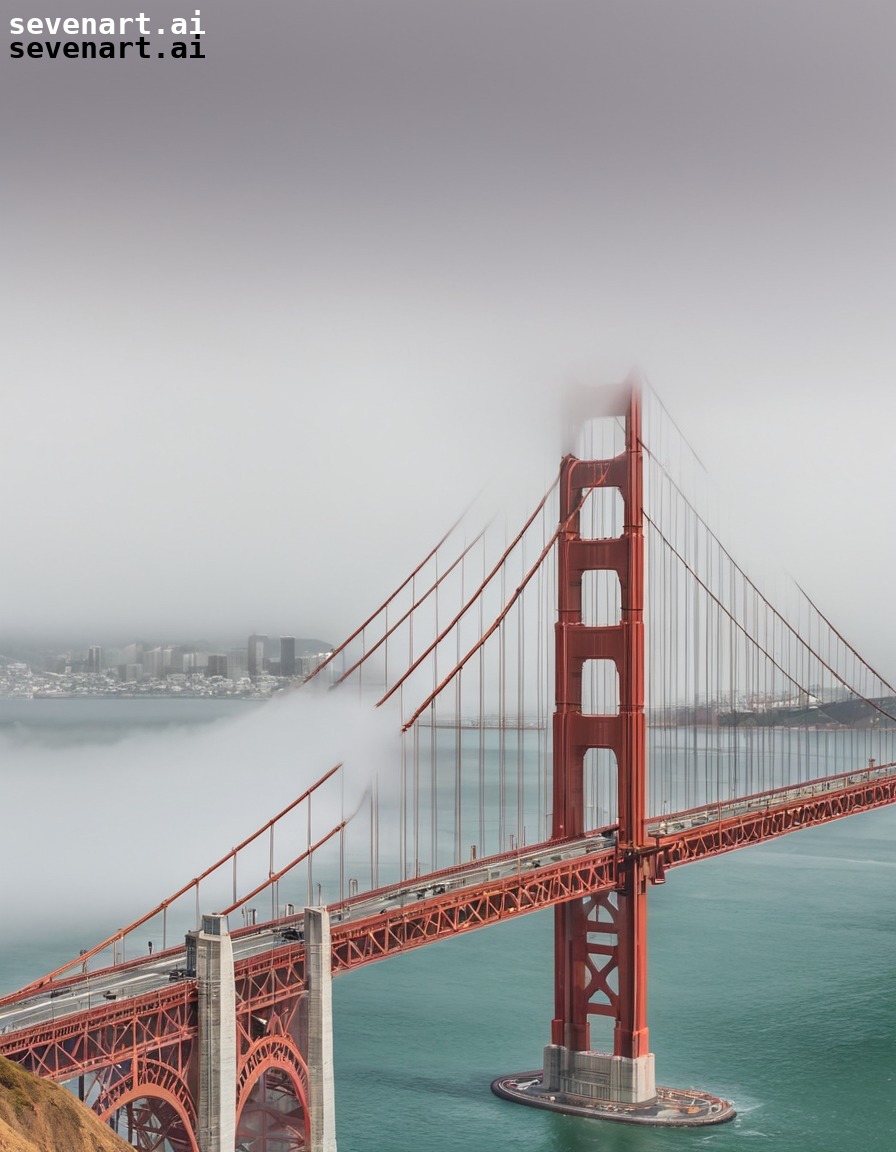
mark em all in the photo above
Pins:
pixel 773 983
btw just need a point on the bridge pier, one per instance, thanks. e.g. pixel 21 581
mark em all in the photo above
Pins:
pixel 210 952
pixel 599 1075
pixel 319 984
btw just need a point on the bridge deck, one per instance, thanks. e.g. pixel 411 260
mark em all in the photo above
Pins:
pixel 72 1026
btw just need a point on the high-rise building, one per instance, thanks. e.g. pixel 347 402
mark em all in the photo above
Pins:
pixel 173 658
pixel 195 661
pixel 217 664
pixel 287 655
pixel 236 663
pixel 95 658
pixel 256 654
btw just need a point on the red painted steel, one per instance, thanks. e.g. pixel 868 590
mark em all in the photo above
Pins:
pixel 361 942
pixel 847 796
pixel 583 967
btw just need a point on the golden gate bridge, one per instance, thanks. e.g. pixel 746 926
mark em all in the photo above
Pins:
pixel 581 702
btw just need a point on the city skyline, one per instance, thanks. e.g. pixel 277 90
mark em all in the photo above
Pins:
pixel 95 658
pixel 163 670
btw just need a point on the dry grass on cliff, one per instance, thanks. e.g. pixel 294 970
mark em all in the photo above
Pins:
pixel 39 1116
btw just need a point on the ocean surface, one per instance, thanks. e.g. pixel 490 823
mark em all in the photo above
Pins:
pixel 773 979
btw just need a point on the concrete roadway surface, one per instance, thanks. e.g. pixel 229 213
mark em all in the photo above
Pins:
pixel 92 989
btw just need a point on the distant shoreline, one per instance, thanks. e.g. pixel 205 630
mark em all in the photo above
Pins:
pixel 138 696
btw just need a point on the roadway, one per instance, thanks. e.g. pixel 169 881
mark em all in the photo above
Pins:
pixel 671 835
pixel 793 794
pixel 81 993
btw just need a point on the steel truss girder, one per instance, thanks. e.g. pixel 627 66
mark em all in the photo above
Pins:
pixel 755 827
pixel 138 1028
pixel 376 938
pixel 270 979
pixel 143 1026
pixel 153 1080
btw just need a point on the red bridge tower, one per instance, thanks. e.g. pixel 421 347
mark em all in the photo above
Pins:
pixel 600 941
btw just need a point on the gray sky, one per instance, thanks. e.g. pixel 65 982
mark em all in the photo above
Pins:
pixel 270 318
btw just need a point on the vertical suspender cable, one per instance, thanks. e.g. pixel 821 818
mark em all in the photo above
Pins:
pixel 520 725
pixel 502 717
pixel 403 794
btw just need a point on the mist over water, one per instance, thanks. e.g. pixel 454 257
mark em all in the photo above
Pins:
pixel 109 809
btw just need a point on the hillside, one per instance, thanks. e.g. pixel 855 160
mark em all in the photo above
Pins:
pixel 39 1116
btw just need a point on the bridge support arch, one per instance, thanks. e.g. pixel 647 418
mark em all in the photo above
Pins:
pixel 272 1095
pixel 277 1093
pixel 169 1115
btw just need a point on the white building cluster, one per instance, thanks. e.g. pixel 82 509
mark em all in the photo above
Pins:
pixel 139 669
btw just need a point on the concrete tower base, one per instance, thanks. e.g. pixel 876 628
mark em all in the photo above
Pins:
pixel 599 1076
pixel 210 952
pixel 602 1086
pixel 319 981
